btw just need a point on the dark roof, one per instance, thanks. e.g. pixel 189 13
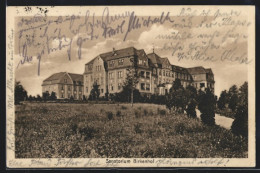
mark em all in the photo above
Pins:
pixel 141 53
pixel 55 76
pixel 179 69
pixel 208 70
pixel 196 70
pixel 156 60
pixel 58 76
pixel 76 77
pixel 130 51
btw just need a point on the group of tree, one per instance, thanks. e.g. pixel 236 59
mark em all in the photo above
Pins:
pixel 181 99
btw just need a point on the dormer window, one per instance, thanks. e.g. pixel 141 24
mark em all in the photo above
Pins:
pixel 111 63
pixel 140 62
pixel 65 80
pixel 120 61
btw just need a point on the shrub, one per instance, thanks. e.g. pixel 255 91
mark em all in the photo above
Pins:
pixel 161 111
pixel 191 112
pixel 137 114
pixel 118 113
pixel 109 115
pixel 123 107
pixel 179 128
pixel 145 112
pixel 137 128
pixel 240 124
pixel 87 132
pixel 207 107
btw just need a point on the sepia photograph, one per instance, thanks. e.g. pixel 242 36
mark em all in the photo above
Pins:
pixel 130 86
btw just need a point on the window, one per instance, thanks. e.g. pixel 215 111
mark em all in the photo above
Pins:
pixel 68 95
pixel 80 89
pixel 119 86
pixel 142 86
pixel 111 63
pixel 74 82
pixel 111 87
pixel 142 73
pixel 75 88
pixel 91 78
pixel 102 80
pixel 90 67
pixel 147 87
pixel 160 72
pixel 148 75
pixel 87 89
pixel 62 95
pixel 120 74
pixel 166 73
pixel 202 85
pixel 75 96
pixel 111 75
pixel 144 63
pixel 79 82
pixel 102 90
pixel 62 87
pixel 163 72
pixel 69 88
pixel 65 80
pixel 154 71
pixel 120 61
pixel 140 62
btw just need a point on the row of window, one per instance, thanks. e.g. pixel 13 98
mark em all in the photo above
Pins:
pixel 144 74
pixel 74 82
pixel 145 86
pixel 119 75
pixel 112 62
pixel 69 88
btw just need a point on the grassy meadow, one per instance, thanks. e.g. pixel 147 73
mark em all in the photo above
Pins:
pixel 65 130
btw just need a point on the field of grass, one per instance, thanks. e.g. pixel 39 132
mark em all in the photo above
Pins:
pixel 55 130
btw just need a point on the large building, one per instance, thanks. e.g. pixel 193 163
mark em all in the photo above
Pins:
pixel 109 71
pixel 65 85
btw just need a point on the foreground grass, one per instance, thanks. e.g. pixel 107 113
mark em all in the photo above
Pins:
pixel 49 130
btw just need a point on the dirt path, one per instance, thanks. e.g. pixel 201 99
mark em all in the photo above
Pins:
pixel 220 120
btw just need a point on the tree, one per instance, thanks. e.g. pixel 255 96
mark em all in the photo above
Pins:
pixel 233 102
pixel 53 96
pixel 191 109
pixel 240 123
pixel 38 98
pixel 207 107
pixel 94 93
pixel 129 86
pixel 46 96
pixel 30 98
pixel 223 100
pixel 20 93
pixel 84 98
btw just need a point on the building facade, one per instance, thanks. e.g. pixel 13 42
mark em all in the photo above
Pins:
pixel 65 85
pixel 109 70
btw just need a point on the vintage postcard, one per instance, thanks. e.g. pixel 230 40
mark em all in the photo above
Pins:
pixel 130 86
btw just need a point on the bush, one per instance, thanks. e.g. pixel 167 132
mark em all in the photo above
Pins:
pixel 161 111
pixel 137 114
pixel 118 113
pixel 179 128
pixel 137 128
pixel 109 115
pixel 87 132
pixel 191 112
pixel 207 107
pixel 123 107
pixel 145 112
pixel 240 124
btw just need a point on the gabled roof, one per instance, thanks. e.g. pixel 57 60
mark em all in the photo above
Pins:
pixel 55 76
pixel 208 70
pixel 76 77
pixel 156 60
pixel 141 53
pixel 179 69
pixel 196 70
pixel 130 51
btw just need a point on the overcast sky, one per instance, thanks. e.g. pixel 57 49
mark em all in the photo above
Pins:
pixel 226 73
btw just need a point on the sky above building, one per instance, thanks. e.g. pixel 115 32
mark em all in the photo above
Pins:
pixel 66 44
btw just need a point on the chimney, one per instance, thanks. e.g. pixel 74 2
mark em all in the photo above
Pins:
pixel 114 50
